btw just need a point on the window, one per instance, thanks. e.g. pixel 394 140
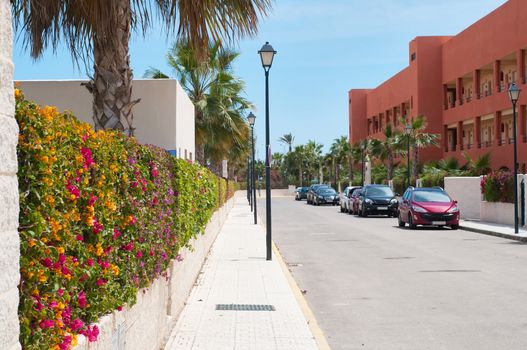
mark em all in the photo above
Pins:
pixel 413 57
pixel 186 155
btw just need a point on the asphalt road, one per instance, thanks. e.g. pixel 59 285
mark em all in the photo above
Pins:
pixel 373 285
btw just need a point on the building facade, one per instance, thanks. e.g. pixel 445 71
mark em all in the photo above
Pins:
pixel 164 117
pixel 460 84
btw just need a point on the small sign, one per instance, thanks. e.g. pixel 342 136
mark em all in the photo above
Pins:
pixel 224 169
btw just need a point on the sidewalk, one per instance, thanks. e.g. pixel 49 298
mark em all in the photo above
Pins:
pixel 236 272
pixel 492 229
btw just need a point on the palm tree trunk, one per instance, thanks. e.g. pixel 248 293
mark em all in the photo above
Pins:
pixel 300 176
pixel 111 85
pixel 200 153
pixel 390 166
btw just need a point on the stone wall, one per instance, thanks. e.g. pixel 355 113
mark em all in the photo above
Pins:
pixel 147 324
pixel 9 241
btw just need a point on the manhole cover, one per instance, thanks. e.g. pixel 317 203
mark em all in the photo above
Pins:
pixel 244 307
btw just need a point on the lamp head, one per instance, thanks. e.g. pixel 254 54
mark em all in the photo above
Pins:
pixel 267 54
pixel 408 129
pixel 514 93
pixel 251 118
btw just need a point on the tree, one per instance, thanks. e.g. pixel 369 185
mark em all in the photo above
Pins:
pixel 218 97
pixel 288 140
pixel 101 29
pixel 419 139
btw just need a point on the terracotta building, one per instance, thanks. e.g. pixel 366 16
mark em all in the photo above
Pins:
pixel 460 84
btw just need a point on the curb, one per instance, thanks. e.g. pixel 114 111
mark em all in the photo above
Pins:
pixel 493 233
pixel 315 329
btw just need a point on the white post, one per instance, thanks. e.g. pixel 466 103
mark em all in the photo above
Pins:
pixel 9 208
pixel 367 171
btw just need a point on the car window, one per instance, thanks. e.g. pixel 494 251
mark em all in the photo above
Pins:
pixel 328 191
pixel 406 194
pixel 379 192
pixel 431 196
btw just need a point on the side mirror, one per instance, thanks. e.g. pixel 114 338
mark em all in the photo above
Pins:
pixel 397 194
pixel 455 201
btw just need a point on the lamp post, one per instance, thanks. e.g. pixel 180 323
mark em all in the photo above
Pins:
pixel 408 131
pixel 248 184
pixel 251 119
pixel 514 95
pixel 266 55
pixel 362 148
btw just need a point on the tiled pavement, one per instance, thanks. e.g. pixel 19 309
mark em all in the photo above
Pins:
pixel 236 272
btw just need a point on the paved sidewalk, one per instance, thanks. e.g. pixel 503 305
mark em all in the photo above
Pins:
pixel 492 229
pixel 236 272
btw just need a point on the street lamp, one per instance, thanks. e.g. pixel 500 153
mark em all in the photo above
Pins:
pixel 362 148
pixel 408 131
pixel 514 95
pixel 251 118
pixel 249 191
pixel 267 54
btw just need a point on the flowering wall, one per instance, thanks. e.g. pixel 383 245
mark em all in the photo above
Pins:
pixel 498 186
pixel 100 217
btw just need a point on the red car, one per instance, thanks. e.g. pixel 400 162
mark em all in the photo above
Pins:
pixel 428 206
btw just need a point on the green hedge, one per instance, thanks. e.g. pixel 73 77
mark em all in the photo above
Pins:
pixel 498 186
pixel 100 217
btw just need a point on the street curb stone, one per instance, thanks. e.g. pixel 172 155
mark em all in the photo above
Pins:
pixel 493 233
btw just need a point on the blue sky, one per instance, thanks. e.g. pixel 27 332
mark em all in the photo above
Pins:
pixel 324 49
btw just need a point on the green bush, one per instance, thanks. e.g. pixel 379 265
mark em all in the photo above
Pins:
pixel 100 217
pixel 498 186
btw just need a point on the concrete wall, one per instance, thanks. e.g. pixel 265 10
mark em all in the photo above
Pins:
pixel 147 324
pixel 164 117
pixel 9 240
pixel 466 190
pixel 498 213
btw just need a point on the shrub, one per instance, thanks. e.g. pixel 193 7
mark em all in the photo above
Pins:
pixel 100 217
pixel 498 186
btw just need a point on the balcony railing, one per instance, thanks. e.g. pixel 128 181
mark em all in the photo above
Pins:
pixel 485 144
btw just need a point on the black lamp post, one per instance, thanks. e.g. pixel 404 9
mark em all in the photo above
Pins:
pixel 267 54
pixel 408 132
pixel 362 148
pixel 248 183
pixel 514 95
pixel 251 119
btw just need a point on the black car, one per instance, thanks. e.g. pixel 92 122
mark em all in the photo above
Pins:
pixel 325 195
pixel 311 192
pixel 301 193
pixel 379 200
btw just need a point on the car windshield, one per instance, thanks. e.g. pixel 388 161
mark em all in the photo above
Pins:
pixel 356 192
pixel 327 191
pixel 379 192
pixel 431 196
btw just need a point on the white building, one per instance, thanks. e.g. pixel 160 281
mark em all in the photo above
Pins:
pixel 164 117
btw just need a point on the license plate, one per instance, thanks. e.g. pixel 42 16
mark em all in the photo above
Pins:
pixel 382 208
pixel 438 222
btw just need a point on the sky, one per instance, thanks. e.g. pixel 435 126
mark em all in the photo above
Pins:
pixel 325 48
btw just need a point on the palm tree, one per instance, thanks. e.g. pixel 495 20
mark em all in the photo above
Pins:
pixel 101 30
pixel 478 166
pixel 313 158
pixel 288 140
pixel 420 139
pixel 340 151
pixel 217 96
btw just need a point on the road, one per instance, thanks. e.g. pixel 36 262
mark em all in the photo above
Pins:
pixel 373 285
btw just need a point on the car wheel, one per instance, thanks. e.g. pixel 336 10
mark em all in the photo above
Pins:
pixel 401 222
pixel 411 222
pixel 454 227
pixel 364 213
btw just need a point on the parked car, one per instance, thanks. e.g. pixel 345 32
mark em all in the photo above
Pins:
pixel 325 195
pixel 344 199
pixel 311 192
pixel 354 200
pixel 377 199
pixel 301 193
pixel 428 206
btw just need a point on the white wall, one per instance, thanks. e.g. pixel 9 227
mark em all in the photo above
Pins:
pixel 9 242
pixel 164 117
pixel 147 324
pixel 466 190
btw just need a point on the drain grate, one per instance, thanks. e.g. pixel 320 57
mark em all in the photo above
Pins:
pixel 244 307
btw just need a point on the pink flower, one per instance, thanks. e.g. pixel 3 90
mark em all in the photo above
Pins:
pixel 133 220
pixel 53 304
pixel 47 262
pixel 66 343
pixel 104 264
pixel 44 324
pixel 77 324
pixel 91 333
pixel 139 254
pixel 62 259
pixel 179 257
pixel 85 137
pixel 81 299
pixel 116 233
pixel 97 226
pixel 101 282
pixel 60 292
pixel 129 247
pixel 73 190
pixel 80 238
pixel 89 262
pixel 92 199
pixel 87 155
pixel 65 271
pixel 119 308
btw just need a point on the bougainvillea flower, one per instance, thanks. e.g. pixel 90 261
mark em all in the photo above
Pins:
pixel 87 155
pixel 91 333
pixel 116 233
pixel 47 262
pixel 97 226
pixel 66 343
pixel 77 324
pixel 101 282
pixel 139 254
pixel 80 238
pixel 89 262
pixel 92 199
pixel 45 324
pixel 81 300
